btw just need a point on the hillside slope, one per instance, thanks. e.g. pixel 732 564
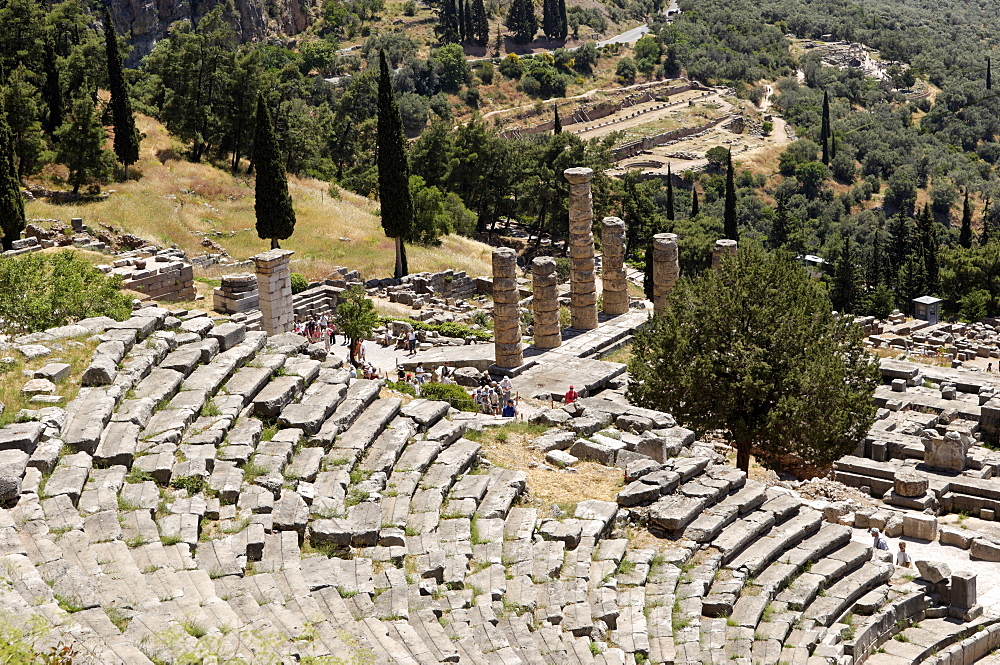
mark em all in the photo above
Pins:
pixel 175 201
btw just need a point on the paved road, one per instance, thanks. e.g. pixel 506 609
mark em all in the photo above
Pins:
pixel 633 35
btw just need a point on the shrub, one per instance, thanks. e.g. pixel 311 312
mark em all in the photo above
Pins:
pixel 409 8
pixel 402 387
pixel 454 395
pixel 39 291
pixel 299 282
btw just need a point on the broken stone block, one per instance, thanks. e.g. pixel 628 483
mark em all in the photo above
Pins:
pixel 947 452
pixel 910 483
pixel 919 525
pixel 560 458
pixel 12 466
pixel 933 571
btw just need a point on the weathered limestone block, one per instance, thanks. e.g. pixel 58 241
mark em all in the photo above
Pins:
pixel 506 320
pixel 947 452
pixel 12 466
pixel 545 302
pixel 910 483
pixel 723 248
pixel 583 290
pixel 666 268
pixel 614 282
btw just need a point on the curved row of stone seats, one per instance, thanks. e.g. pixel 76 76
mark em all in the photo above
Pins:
pixel 953 644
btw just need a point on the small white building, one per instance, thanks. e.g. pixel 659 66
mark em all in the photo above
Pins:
pixel 927 308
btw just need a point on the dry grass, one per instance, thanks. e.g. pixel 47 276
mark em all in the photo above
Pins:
pixel 175 198
pixel 76 352
pixel 591 480
pixel 620 355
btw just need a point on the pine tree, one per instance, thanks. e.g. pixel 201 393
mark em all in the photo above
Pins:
pixel 480 24
pixel 556 123
pixel 448 25
pixel 780 227
pixel 11 201
pixel 393 170
pixel 694 201
pixel 126 135
pixel 670 195
pixel 521 21
pixel 563 20
pixel 273 204
pixel 729 215
pixel 824 132
pixel 899 241
pixel 989 74
pixel 965 235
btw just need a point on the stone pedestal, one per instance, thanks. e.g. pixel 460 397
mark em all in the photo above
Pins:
pixel 666 268
pixel 583 290
pixel 506 313
pixel 274 289
pixel 545 302
pixel 238 293
pixel 614 284
pixel 722 249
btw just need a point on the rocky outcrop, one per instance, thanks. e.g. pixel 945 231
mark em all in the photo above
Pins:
pixel 145 22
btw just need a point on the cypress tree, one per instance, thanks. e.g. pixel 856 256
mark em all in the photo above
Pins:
pixel 965 235
pixel 930 247
pixel 126 135
pixel 447 28
pixel 393 169
pixel 549 18
pixel 480 24
pixel 824 132
pixel 780 227
pixel 51 91
pixel 833 146
pixel 556 123
pixel 563 20
pixel 272 204
pixel 846 287
pixel 670 195
pixel 521 21
pixel 729 216
pixel 989 74
pixel 985 236
pixel 11 201
pixel 694 201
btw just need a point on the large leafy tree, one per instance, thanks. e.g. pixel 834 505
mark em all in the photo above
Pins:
pixel 273 204
pixel 754 349
pixel 126 135
pixel 355 316
pixel 393 169
pixel 11 201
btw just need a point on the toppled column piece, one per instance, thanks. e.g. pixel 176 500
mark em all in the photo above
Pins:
pixel 615 285
pixel 274 286
pixel 545 302
pixel 666 268
pixel 583 290
pixel 506 313
pixel 722 249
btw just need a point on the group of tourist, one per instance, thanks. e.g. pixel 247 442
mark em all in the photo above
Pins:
pixel 404 340
pixel 495 398
pixel 318 330
pixel 903 557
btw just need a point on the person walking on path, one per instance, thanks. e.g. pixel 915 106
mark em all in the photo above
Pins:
pixel 880 543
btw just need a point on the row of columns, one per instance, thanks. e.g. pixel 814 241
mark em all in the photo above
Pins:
pixel 583 282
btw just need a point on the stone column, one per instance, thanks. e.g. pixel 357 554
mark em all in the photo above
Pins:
pixel 545 302
pixel 723 248
pixel 506 313
pixel 274 288
pixel 615 285
pixel 583 290
pixel 666 268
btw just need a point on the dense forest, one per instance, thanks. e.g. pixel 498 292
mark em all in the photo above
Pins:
pixel 897 191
